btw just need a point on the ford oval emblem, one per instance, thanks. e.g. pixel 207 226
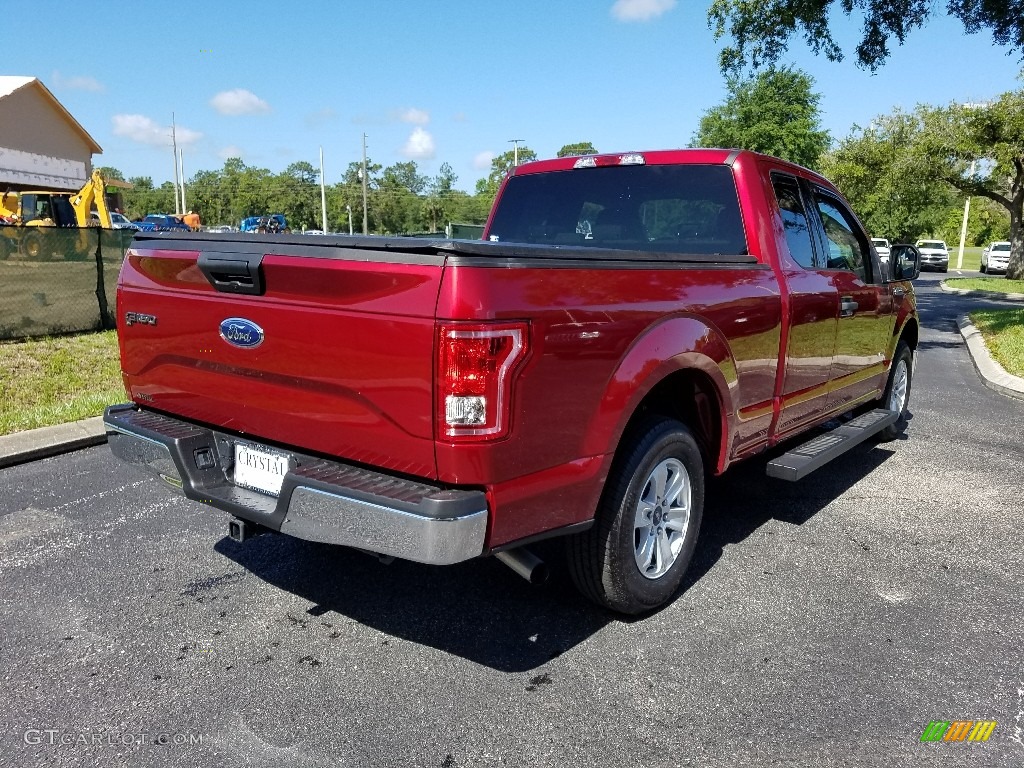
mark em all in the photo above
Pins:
pixel 240 332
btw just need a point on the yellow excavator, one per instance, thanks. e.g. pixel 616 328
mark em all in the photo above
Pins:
pixel 53 209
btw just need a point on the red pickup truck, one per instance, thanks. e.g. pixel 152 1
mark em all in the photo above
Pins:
pixel 628 324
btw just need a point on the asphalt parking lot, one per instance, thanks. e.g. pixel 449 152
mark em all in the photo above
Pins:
pixel 824 623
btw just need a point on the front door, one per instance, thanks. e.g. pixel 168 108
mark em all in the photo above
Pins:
pixel 865 305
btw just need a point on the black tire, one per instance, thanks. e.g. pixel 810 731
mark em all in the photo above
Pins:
pixel 897 396
pixel 605 561
pixel 32 245
pixel 982 268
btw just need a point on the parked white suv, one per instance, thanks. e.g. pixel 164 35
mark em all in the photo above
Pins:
pixel 934 255
pixel 996 257
pixel 882 246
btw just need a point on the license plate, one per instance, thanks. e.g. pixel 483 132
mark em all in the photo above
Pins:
pixel 259 468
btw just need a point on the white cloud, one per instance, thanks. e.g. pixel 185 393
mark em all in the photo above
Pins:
pixel 230 151
pixel 420 145
pixel 239 102
pixel 77 83
pixel 145 130
pixel 641 10
pixel 415 116
pixel 320 117
pixel 482 160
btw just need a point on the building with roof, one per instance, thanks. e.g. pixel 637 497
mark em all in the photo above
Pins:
pixel 41 145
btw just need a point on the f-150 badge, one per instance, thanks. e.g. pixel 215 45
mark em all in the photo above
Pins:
pixel 240 332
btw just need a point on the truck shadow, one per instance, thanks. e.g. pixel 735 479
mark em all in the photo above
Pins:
pixel 744 499
pixel 479 610
pixel 483 612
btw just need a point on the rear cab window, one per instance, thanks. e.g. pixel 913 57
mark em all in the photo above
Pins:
pixel 690 209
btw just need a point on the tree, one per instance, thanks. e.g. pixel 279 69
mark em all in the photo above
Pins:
pixel 579 148
pixel 759 32
pixel 775 112
pixel 438 205
pixel 979 150
pixel 500 165
pixel 145 198
pixel 889 184
pixel 109 172
pixel 296 195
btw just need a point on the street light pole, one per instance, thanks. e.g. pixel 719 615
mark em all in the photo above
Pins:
pixel 181 167
pixel 323 193
pixel 366 228
pixel 174 145
pixel 515 151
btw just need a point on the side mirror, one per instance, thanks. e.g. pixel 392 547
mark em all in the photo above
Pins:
pixel 904 262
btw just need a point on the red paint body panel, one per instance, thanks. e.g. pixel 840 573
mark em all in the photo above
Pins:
pixel 348 365
pixel 600 339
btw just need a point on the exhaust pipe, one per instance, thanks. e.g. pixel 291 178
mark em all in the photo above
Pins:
pixel 525 563
pixel 242 530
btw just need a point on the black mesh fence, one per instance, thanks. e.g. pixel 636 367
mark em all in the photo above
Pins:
pixel 58 280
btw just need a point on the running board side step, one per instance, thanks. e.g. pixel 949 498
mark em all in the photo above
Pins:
pixel 815 453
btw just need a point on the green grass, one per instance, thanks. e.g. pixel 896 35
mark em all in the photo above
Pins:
pixel 56 380
pixel 972 257
pixel 1003 331
pixel 994 284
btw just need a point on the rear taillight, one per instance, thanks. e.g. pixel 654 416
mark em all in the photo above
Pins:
pixel 476 363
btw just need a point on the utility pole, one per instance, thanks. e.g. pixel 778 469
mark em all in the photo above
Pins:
pixel 174 144
pixel 515 151
pixel 963 227
pixel 967 203
pixel 349 209
pixel 181 167
pixel 366 228
pixel 323 193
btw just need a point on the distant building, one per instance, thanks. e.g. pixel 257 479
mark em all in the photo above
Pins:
pixel 41 145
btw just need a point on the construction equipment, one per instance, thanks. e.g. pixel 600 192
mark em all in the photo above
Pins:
pixel 54 209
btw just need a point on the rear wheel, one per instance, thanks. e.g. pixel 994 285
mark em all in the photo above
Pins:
pixel 983 269
pixel 897 391
pixel 634 558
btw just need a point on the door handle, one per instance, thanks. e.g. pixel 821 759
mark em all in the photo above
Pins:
pixel 899 292
pixel 847 306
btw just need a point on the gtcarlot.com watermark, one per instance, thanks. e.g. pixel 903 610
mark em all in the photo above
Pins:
pixel 56 737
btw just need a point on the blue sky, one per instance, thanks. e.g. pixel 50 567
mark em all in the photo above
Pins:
pixel 447 82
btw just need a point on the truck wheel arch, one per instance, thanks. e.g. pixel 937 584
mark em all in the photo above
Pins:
pixel 678 355
pixel 907 333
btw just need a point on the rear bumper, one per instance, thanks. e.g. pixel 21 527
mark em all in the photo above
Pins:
pixel 320 500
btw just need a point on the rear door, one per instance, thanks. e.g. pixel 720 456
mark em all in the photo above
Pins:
pixel 813 308
pixel 332 354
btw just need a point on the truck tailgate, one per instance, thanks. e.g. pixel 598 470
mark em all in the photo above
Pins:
pixel 335 354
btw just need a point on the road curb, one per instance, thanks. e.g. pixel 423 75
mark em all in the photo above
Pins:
pixel 991 372
pixel 981 294
pixel 39 443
